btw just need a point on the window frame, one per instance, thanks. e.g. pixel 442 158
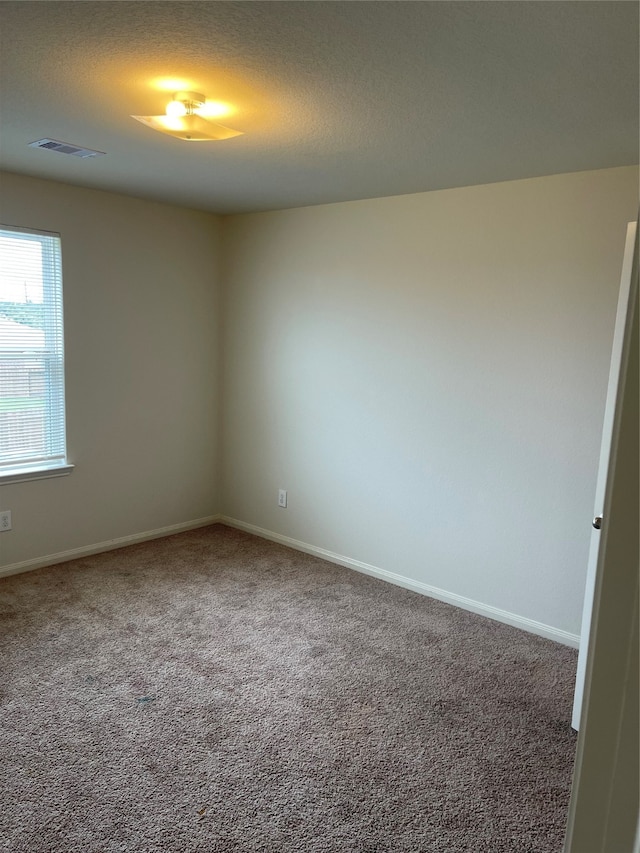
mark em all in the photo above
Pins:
pixel 57 465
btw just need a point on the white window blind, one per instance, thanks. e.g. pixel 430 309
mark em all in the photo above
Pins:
pixel 32 414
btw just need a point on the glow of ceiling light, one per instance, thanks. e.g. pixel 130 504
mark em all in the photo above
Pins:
pixel 215 109
pixel 176 108
pixel 171 84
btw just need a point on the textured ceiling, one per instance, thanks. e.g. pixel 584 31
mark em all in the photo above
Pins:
pixel 338 100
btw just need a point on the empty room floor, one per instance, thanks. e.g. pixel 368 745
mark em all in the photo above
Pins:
pixel 215 692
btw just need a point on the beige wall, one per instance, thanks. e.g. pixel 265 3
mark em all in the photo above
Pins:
pixel 426 375
pixel 141 332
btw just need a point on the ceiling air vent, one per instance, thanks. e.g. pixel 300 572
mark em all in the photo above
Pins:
pixel 65 148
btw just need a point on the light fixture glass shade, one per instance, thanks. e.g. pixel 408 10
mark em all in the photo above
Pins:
pixel 193 128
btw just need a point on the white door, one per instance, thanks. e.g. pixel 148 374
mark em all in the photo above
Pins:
pixel 620 336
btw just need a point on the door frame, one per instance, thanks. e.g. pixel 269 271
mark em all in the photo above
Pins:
pixel 610 428
pixel 604 807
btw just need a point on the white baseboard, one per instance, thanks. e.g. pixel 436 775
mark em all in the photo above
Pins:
pixel 487 610
pixel 109 545
pixel 478 607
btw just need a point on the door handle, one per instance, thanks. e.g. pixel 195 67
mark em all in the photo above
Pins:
pixel 597 522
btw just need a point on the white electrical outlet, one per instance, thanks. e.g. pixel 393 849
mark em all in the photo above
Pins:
pixel 5 519
pixel 282 498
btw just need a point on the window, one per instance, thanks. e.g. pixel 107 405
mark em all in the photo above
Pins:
pixel 32 422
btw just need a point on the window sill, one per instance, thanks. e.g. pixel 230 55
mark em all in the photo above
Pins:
pixel 20 475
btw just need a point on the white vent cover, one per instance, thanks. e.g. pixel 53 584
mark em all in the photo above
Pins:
pixel 65 148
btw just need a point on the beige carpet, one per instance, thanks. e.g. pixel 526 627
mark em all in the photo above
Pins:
pixel 214 692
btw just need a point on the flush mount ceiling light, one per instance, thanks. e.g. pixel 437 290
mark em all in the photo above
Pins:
pixel 184 120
